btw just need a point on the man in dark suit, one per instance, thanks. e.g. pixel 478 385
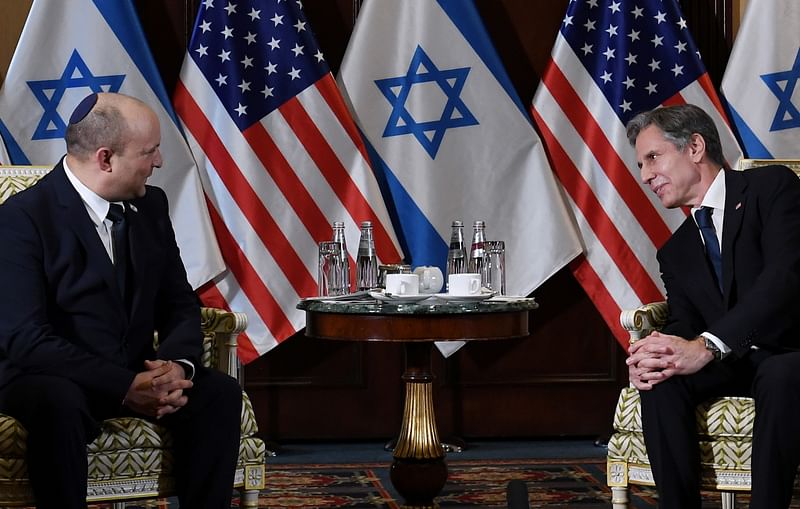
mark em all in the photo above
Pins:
pixel 733 290
pixel 76 337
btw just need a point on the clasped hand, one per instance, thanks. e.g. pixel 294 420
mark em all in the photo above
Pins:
pixel 657 357
pixel 158 390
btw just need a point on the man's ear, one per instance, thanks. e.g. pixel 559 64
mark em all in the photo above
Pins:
pixel 697 147
pixel 103 158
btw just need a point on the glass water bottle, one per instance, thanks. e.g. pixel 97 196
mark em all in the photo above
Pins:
pixel 366 261
pixel 338 236
pixel 477 252
pixel 457 253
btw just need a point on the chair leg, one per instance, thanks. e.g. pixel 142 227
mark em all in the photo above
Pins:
pixel 249 498
pixel 117 505
pixel 728 499
pixel 619 497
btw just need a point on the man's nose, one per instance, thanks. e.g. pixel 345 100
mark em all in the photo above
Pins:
pixel 645 174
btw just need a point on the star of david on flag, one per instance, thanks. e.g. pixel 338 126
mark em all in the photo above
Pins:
pixel 761 80
pixel 50 93
pixel 398 91
pixel 58 61
pixel 783 85
pixel 451 138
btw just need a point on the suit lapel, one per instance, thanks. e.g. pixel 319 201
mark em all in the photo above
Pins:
pixel 692 261
pixel 78 220
pixel 140 240
pixel 735 203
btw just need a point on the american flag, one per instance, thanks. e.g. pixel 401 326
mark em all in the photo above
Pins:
pixel 281 160
pixel 612 60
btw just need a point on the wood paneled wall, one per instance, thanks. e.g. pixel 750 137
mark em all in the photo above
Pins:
pixel 11 23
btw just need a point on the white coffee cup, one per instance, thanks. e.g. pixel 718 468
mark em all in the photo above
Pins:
pixel 464 284
pixel 430 279
pixel 402 284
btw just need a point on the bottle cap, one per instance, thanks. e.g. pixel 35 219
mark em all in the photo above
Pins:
pixel 457 223
pixel 479 224
pixel 366 224
pixel 338 224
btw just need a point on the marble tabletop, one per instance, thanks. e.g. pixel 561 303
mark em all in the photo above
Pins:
pixel 364 304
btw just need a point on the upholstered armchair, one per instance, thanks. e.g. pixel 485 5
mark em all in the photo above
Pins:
pixel 724 425
pixel 132 457
pixel 724 429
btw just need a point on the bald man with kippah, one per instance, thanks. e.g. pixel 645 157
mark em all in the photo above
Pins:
pixel 90 270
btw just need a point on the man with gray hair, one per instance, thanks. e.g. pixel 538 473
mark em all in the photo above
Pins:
pixel 90 270
pixel 732 277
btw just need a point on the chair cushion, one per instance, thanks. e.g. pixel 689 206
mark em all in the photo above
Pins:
pixel 125 433
pixel 721 454
pixel 126 447
pixel 12 438
pixel 724 417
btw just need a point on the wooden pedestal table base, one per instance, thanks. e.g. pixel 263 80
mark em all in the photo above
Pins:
pixel 419 471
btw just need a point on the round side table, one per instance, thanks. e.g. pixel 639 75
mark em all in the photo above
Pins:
pixel 418 471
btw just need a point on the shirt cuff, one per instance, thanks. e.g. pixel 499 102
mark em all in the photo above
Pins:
pixel 188 367
pixel 723 348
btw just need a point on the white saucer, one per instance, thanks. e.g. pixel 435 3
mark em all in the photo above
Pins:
pixel 383 297
pixel 465 298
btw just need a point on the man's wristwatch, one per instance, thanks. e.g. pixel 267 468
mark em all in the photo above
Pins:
pixel 713 348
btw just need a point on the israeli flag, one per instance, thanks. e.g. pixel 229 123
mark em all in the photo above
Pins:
pixel 71 48
pixel 451 138
pixel 4 157
pixel 761 80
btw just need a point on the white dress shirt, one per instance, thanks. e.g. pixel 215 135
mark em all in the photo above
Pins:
pixel 97 207
pixel 715 199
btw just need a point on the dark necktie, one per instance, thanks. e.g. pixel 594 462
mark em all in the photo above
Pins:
pixel 706 225
pixel 119 243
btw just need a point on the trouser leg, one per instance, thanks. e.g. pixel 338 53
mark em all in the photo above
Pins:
pixel 56 415
pixel 670 427
pixel 207 434
pixel 776 439
pixel 668 420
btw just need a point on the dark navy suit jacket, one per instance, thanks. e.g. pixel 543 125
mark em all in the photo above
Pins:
pixel 760 304
pixel 61 312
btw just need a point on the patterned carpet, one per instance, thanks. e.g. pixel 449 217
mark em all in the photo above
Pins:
pixel 471 484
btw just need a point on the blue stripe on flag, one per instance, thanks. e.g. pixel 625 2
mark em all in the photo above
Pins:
pixel 12 147
pixel 121 16
pixel 466 18
pixel 417 236
pixel 752 146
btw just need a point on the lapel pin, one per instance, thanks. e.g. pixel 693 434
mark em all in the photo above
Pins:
pixel 738 205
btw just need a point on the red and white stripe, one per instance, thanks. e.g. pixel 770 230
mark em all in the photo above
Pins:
pixel 273 191
pixel 621 222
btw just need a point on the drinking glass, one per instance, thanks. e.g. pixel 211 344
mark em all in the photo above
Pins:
pixel 495 266
pixel 331 276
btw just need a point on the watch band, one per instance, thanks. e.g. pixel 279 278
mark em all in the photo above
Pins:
pixel 713 348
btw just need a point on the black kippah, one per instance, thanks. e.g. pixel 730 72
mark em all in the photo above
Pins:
pixel 83 108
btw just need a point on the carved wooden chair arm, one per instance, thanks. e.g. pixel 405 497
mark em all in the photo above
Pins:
pixel 643 320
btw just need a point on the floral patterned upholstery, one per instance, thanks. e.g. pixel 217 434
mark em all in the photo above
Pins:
pixel 132 459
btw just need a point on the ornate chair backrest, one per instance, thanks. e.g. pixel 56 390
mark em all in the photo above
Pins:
pixel 745 164
pixel 14 179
